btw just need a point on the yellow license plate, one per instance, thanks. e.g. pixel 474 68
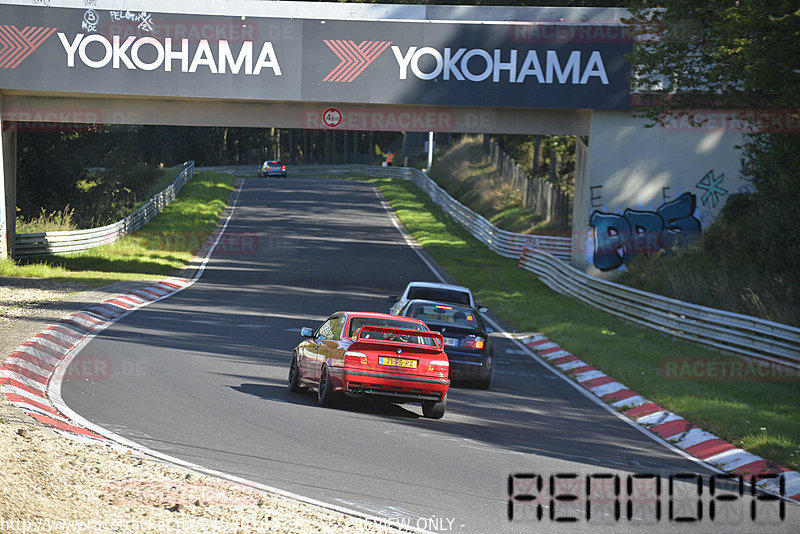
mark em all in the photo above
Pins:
pixel 398 362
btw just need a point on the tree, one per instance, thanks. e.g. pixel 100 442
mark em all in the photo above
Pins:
pixel 715 54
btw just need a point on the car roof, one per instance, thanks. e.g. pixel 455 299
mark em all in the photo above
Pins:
pixel 439 285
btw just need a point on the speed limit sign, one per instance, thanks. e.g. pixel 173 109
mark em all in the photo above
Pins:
pixel 332 117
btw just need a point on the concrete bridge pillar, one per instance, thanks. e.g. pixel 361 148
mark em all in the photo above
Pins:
pixel 8 179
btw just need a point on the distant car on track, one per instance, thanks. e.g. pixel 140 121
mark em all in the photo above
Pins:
pixel 272 168
pixel 466 338
pixel 384 356
pixel 436 291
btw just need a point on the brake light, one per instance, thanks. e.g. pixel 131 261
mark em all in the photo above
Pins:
pixel 476 343
pixel 283 168
pixel 439 306
pixel 439 366
pixel 352 356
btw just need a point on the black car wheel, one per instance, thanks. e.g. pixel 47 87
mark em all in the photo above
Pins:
pixel 294 376
pixel 433 409
pixel 325 392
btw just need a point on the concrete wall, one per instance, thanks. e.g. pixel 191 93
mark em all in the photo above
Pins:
pixel 647 189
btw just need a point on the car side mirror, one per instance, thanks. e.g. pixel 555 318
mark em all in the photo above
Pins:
pixel 489 329
pixel 483 309
pixel 393 299
pixel 306 332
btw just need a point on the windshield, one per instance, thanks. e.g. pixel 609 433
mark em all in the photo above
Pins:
pixel 438 293
pixel 443 314
pixel 356 323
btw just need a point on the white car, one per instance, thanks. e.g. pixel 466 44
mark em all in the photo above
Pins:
pixel 434 291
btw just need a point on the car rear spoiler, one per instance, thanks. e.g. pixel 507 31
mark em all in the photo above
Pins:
pixel 436 336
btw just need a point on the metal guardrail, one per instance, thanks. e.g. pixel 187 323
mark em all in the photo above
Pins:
pixel 741 334
pixel 65 242
pixel 504 243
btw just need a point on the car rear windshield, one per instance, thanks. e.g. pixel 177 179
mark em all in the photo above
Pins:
pixel 356 323
pixel 444 314
pixel 438 293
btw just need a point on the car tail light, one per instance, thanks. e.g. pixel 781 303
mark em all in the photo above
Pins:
pixel 474 343
pixel 438 366
pixel 352 356
pixel 283 168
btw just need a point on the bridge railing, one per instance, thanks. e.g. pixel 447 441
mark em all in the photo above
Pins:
pixel 65 242
pixel 740 334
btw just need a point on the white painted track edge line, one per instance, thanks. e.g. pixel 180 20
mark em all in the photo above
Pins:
pixel 415 246
pixel 54 395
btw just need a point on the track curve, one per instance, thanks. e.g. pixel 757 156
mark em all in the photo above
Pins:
pixel 202 376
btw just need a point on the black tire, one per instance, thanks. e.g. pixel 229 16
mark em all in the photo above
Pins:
pixel 325 394
pixel 294 376
pixel 433 409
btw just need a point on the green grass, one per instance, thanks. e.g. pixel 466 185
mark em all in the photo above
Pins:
pixel 757 415
pixel 469 176
pixel 163 247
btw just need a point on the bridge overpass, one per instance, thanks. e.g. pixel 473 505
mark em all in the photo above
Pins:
pixel 517 70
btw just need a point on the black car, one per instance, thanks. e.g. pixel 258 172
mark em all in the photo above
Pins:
pixel 466 338
pixel 272 168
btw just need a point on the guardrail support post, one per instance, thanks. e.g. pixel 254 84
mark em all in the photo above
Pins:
pixel 8 182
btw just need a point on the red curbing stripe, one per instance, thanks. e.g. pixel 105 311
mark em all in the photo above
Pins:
pixel 581 369
pixel 754 468
pixel 19 385
pixel 85 316
pixel 53 339
pixel 35 360
pixel 145 297
pixel 152 293
pixel 543 341
pixel 117 302
pixel 599 381
pixel 643 410
pixel 709 448
pixel 550 350
pixel 19 399
pixel 25 372
pixel 621 394
pixel 70 323
pixel 74 338
pixel 666 430
pixel 134 302
pixel 34 344
pixel 563 359
pixel 65 427
pixel 169 284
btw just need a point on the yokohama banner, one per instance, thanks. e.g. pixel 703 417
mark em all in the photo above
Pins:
pixel 119 52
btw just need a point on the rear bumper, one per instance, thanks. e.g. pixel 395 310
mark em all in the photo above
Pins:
pixel 395 386
pixel 469 366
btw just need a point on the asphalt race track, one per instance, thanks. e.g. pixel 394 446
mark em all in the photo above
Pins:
pixel 202 376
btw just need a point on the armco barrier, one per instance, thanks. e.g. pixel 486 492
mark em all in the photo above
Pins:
pixel 47 243
pixel 742 334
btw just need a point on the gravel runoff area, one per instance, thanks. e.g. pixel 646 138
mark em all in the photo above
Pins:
pixel 49 483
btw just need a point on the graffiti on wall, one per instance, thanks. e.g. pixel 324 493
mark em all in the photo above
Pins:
pixel 618 238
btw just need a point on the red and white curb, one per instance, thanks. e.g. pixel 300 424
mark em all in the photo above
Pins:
pixel 27 372
pixel 670 427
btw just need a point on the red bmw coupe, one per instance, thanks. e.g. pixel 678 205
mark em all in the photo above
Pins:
pixel 357 353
